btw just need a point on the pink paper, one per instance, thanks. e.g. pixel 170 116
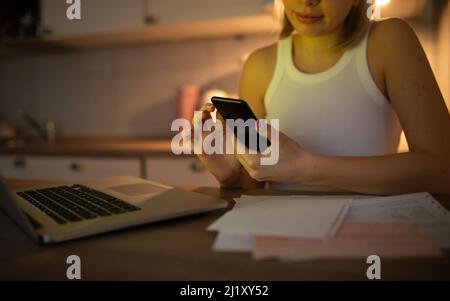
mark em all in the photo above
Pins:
pixel 353 240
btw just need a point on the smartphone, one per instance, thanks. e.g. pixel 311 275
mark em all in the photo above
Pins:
pixel 234 109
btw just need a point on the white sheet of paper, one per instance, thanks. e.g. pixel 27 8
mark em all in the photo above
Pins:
pixel 246 200
pixel 430 218
pixel 246 197
pixel 420 209
pixel 229 242
pixel 306 217
pixel 413 208
pixel 232 243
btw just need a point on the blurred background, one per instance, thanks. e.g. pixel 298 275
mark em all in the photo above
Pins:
pixel 77 93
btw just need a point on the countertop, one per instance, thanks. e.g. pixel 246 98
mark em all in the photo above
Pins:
pixel 181 249
pixel 106 147
pixel 114 147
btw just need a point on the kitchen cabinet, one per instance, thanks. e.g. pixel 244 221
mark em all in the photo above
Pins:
pixel 97 16
pixel 13 167
pixel 167 169
pixel 67 168
pixel 179 171
pixel 119 22
pixel 166 12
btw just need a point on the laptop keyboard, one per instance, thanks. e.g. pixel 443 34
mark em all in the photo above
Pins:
pixel 66 204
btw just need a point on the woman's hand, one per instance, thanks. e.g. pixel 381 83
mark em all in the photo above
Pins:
pixel 226 168
pixel 293 166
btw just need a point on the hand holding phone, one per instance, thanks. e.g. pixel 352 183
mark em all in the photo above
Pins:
pixel 234 109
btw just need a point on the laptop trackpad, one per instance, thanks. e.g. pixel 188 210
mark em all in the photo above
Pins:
pixel 138 189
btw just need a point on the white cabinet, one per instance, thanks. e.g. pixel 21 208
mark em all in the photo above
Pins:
pixel 97 16
pixel 13 167
pixel 171 170
pixel 67 168
pixel 179 171
pixel 165 12
pixel 119 22
pixel 78 168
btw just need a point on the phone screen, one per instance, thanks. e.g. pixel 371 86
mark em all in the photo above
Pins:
pixel 235 109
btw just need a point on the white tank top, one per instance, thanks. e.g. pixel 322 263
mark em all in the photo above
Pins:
pixel 338 112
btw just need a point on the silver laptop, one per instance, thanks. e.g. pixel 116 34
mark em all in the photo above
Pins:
pixel 61 213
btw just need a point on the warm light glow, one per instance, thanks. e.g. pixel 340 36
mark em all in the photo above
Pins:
pixel 382 2
pixel 278 11
pixel 208 94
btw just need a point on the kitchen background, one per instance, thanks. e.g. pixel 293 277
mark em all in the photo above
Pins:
pixel 116 76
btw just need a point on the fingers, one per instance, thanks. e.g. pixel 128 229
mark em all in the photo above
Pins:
pixel 199 120
pixel 271 133
pixel 208 107
pixel 219 117
pixel 206 110
pixel 244 163
pixel 264 129
pixel 251 164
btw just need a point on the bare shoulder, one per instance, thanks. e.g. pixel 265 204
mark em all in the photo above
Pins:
pixel 392 26
pixel 256 77
pixel 392 38
pixel 262 59
pixel 393 48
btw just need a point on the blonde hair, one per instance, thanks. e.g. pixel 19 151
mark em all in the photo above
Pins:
pixel 355 25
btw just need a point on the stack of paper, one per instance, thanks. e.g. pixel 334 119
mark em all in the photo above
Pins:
pixel 307 218
pixel 238 242
pixel 304 227
pixel 316 218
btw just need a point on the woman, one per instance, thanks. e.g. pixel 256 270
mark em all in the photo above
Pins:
pixel 343 88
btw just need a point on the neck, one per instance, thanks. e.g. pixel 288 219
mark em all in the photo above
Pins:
pixel 319 45
pixel 316 54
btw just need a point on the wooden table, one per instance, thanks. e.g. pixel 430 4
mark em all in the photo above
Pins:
pixel 181 250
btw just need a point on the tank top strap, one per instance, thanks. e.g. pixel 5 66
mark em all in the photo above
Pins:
pixel 361 62
pixel 360 50
pixel 283 57
pixel 284 52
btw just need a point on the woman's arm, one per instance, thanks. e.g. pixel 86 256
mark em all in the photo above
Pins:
pixel 415 95
pixel 394 174
pixel 255 78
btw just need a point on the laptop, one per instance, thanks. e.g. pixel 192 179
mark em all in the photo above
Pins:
pixel 66 212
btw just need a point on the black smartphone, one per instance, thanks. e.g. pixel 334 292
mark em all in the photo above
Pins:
pixel 235 109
